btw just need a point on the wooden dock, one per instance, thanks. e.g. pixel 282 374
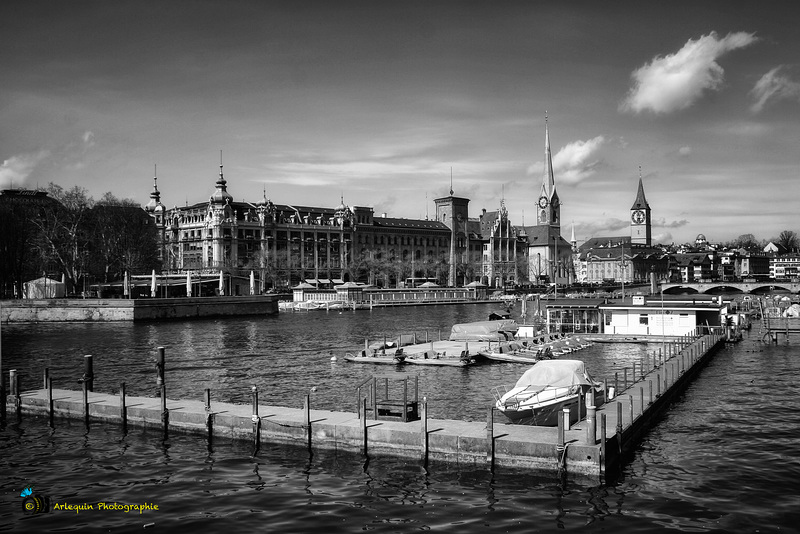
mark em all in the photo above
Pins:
pixel 590 448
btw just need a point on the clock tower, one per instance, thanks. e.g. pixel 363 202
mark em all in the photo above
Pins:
pixel 548 205
pixel 641 232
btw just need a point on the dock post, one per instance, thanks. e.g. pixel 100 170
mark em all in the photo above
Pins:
pixel 364 427
pixel 605 390
pixel 307 419
pixel 630 404
pixel 619 419
pixel 633 374
pixel 2 396
pixel 625 378
pixel 85 389
pixel 160 367
pixel 560 446
pixel 46 376
pixel 256 421
pixel 123 410
pixel 209 416
pixel 12 382
pixel 616 383
pixel 591 425
pixel 603 433
pixel 164 410
pixel 49 389
pixel 88 372
pixel 650 383
pixel 424 430
pixel 641 399
pixel 658 385
pixel 490 437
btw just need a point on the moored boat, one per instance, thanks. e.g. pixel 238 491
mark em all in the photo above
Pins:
pixel 544 390
pixel 377 357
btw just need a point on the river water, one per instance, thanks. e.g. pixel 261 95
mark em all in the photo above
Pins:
pixel 724 458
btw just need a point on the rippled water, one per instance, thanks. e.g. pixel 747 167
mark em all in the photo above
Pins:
pixel 725 458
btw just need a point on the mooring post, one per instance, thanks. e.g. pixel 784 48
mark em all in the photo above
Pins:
pixel 619 418
pixel 209 416
pixel 603 433
pixel 625 378
pixel 658 384
pixel 256 420
pixel 88 372
pixel 490 436
pixel 605 390
pixel 207 399
pixel 12 382
pixel 123 410
pixel 46 376
pixel 633 374
pixel 364 427
pixel 160 367
pixel 641 399
pixel 630 404
pixel 650 384
pixel 591 425
pixel 424 429
pixel 49 389
pixel 560 446
pixel 307 419
pixel 164 410
pixel 616 383
pixel 85 389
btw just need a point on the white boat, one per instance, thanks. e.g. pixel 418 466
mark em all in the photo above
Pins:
pixel 544 390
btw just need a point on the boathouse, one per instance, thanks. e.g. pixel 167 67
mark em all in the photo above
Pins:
pixel 655 316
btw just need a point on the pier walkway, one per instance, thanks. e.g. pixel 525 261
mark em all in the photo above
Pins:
pixel 588 449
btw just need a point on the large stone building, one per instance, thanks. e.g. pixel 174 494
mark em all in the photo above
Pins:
pixel 287 244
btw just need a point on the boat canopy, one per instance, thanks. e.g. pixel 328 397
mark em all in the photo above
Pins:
pixel 484 330
pixel 555 373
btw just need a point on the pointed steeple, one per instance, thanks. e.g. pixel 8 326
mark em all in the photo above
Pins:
pixel 221 193
pixel 155 194
pixel 548 180
pixel 641 202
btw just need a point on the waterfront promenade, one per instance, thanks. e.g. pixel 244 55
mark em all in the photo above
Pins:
pixel 590 448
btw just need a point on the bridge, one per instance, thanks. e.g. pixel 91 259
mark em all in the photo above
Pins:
pixel 730 287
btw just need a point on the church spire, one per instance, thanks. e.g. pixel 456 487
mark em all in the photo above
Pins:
pixel 548 180
pixel 641 202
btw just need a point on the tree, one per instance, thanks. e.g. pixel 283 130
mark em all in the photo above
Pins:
pixel 62 235
pixel 747 242
pixel 788 240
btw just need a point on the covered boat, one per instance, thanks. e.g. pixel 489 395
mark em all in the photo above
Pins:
pixel 544 390
pixel 502 330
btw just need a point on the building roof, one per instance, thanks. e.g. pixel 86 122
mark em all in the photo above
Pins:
pixel 396 222
pixel 641 202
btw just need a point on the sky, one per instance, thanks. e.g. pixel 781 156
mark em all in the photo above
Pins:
pixel 380 103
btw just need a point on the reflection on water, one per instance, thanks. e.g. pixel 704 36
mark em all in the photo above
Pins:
pixel 724 458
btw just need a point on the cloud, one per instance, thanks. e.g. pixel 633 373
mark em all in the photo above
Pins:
pixel 663 238
pixel 675 81
pixel 16 169
pixel 685 151
pixel 774 85
pixel 662 223
pixel 574 162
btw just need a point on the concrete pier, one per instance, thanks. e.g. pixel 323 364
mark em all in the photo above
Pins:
pixel 622 422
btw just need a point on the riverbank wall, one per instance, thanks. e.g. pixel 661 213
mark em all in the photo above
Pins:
pixel 589 448
pixel 149 309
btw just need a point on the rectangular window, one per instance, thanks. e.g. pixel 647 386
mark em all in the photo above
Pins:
pixel 643 319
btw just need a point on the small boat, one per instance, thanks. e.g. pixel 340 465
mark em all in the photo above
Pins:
pixel 431 357
pixel 377 357
pixel 544 390
pixel 516 353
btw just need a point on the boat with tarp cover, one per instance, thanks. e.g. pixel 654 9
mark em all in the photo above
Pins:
pixel 545 389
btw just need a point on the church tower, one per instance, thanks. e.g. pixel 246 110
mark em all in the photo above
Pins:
pixel 641 232
pixel 454 213
pixel 548 206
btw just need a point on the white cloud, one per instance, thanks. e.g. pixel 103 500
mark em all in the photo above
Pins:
pixel 574 162
pixel 675 81
pixel 16 169
pixel 774 85
pixel 685 151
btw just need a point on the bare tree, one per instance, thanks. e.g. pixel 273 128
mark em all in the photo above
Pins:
pixel 788 240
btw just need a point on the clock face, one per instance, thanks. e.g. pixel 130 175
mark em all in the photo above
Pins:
pixel 542 201
pixel 638 216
